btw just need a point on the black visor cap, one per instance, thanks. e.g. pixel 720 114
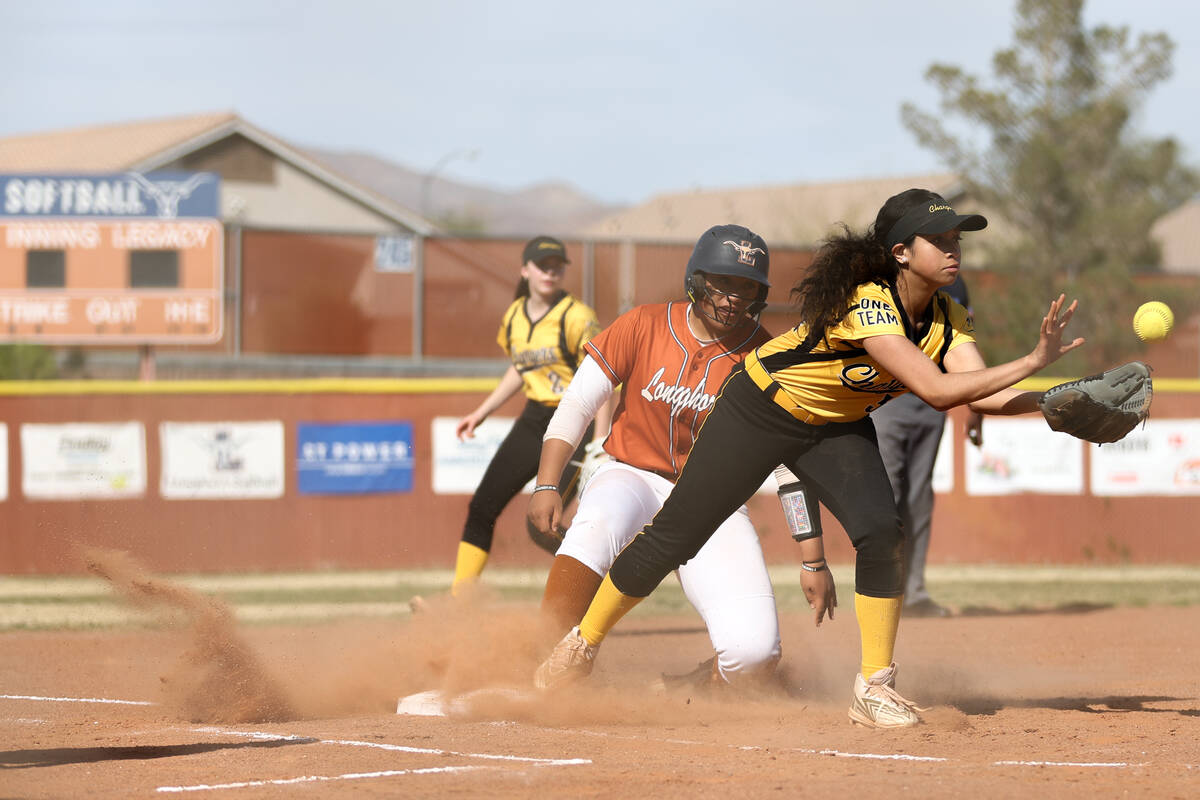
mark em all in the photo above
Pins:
pixel 931 218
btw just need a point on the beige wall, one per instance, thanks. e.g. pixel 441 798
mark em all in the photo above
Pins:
pixel 297 201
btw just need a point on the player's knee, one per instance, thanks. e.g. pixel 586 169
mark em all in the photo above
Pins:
pixel 595 542
pixel 878 537
pixel 749 661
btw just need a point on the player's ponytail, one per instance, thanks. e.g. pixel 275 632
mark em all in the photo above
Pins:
pixel 847 260
pixel 844 261
pixel 522 288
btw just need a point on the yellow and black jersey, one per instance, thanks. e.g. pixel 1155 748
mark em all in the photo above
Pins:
pixel 547 351
pixel 834 379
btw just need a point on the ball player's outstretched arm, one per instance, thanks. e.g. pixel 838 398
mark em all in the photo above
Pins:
pixel 945 390
pixel 509 385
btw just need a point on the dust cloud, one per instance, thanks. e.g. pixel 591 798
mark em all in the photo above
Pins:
pixel 218 679
pixel 475 650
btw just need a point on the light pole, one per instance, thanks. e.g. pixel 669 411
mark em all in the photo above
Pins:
pixel 468 154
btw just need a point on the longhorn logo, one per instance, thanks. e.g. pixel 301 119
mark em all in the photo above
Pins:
pixel 167 194
pixel 745 251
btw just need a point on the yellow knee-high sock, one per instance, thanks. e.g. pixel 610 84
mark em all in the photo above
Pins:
pixel 467 566
pixel 878 621
pixel 606 610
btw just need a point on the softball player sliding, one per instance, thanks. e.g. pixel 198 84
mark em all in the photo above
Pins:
pixel 874 325
pixel 543 332
pixel 672 359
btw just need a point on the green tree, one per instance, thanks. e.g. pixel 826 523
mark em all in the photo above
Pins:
pixel 27 362
pixel 1073 188
pixel 462 223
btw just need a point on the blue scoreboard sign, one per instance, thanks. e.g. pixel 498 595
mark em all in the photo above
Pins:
pixel 158 195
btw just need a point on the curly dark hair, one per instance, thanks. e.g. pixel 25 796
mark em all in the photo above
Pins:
pixel 847 260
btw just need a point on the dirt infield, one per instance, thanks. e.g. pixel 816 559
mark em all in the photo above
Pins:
pixel 1091 704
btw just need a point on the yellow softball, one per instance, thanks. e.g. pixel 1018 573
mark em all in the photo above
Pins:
pixel 1152 321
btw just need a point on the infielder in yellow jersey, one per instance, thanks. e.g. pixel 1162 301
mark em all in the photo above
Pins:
pixel 873 325
pixel 543 332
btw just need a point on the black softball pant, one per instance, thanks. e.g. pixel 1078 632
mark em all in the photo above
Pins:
pixel 515 462
pixel 745 436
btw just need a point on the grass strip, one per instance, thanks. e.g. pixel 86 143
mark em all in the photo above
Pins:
pixel 75 603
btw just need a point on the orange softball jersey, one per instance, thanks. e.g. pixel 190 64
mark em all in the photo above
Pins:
pixel 671 381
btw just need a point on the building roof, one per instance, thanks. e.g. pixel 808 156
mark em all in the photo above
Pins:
pixel 101 148
pixel 146 145
pixel 796 214
pixel 1178 234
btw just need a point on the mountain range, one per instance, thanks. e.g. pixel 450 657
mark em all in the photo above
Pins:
pixel 554 207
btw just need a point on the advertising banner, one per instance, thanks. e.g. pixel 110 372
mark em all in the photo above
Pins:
pixel 458 466
pixel 354 457
pixel 75 461
pixel 1023 455
pixel 943 466
pixel 1163 458
pixel 221 460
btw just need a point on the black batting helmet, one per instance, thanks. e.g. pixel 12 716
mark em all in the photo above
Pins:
pixel 729 250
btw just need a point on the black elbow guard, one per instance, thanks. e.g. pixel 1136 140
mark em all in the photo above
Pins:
pixel 801 511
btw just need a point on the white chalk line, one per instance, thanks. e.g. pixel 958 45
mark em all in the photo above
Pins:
pixel 566 762
pixel 76 700
pixel 867 756
pixel 1096 764
pixel 349 776
pixel 266 736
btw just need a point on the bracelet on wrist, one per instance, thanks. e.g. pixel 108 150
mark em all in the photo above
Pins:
pixel 808 567
pixel 545 487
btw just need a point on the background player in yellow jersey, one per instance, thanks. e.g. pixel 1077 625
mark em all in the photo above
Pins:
pixel 873 325
pixel 543 332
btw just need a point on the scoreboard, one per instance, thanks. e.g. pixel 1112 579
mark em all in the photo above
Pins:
pixel 128 258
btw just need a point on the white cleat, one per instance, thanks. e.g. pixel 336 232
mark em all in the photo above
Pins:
pixel 571 660
pixel 877 704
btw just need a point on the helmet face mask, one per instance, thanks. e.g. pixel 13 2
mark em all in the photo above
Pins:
pixel 705 299
pixel 732 251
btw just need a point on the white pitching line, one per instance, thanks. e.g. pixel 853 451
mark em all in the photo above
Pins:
pixel 841 754
pixel 555 762
pixel 880 756
pixel 353 776
pixel 804 750
pixel 1101 764
pixel 552 762
pixel 76 700
pixel 349 776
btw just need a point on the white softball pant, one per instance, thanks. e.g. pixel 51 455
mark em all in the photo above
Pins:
pixel 727 581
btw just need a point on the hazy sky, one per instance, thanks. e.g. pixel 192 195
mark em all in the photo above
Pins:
pixel 622 99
